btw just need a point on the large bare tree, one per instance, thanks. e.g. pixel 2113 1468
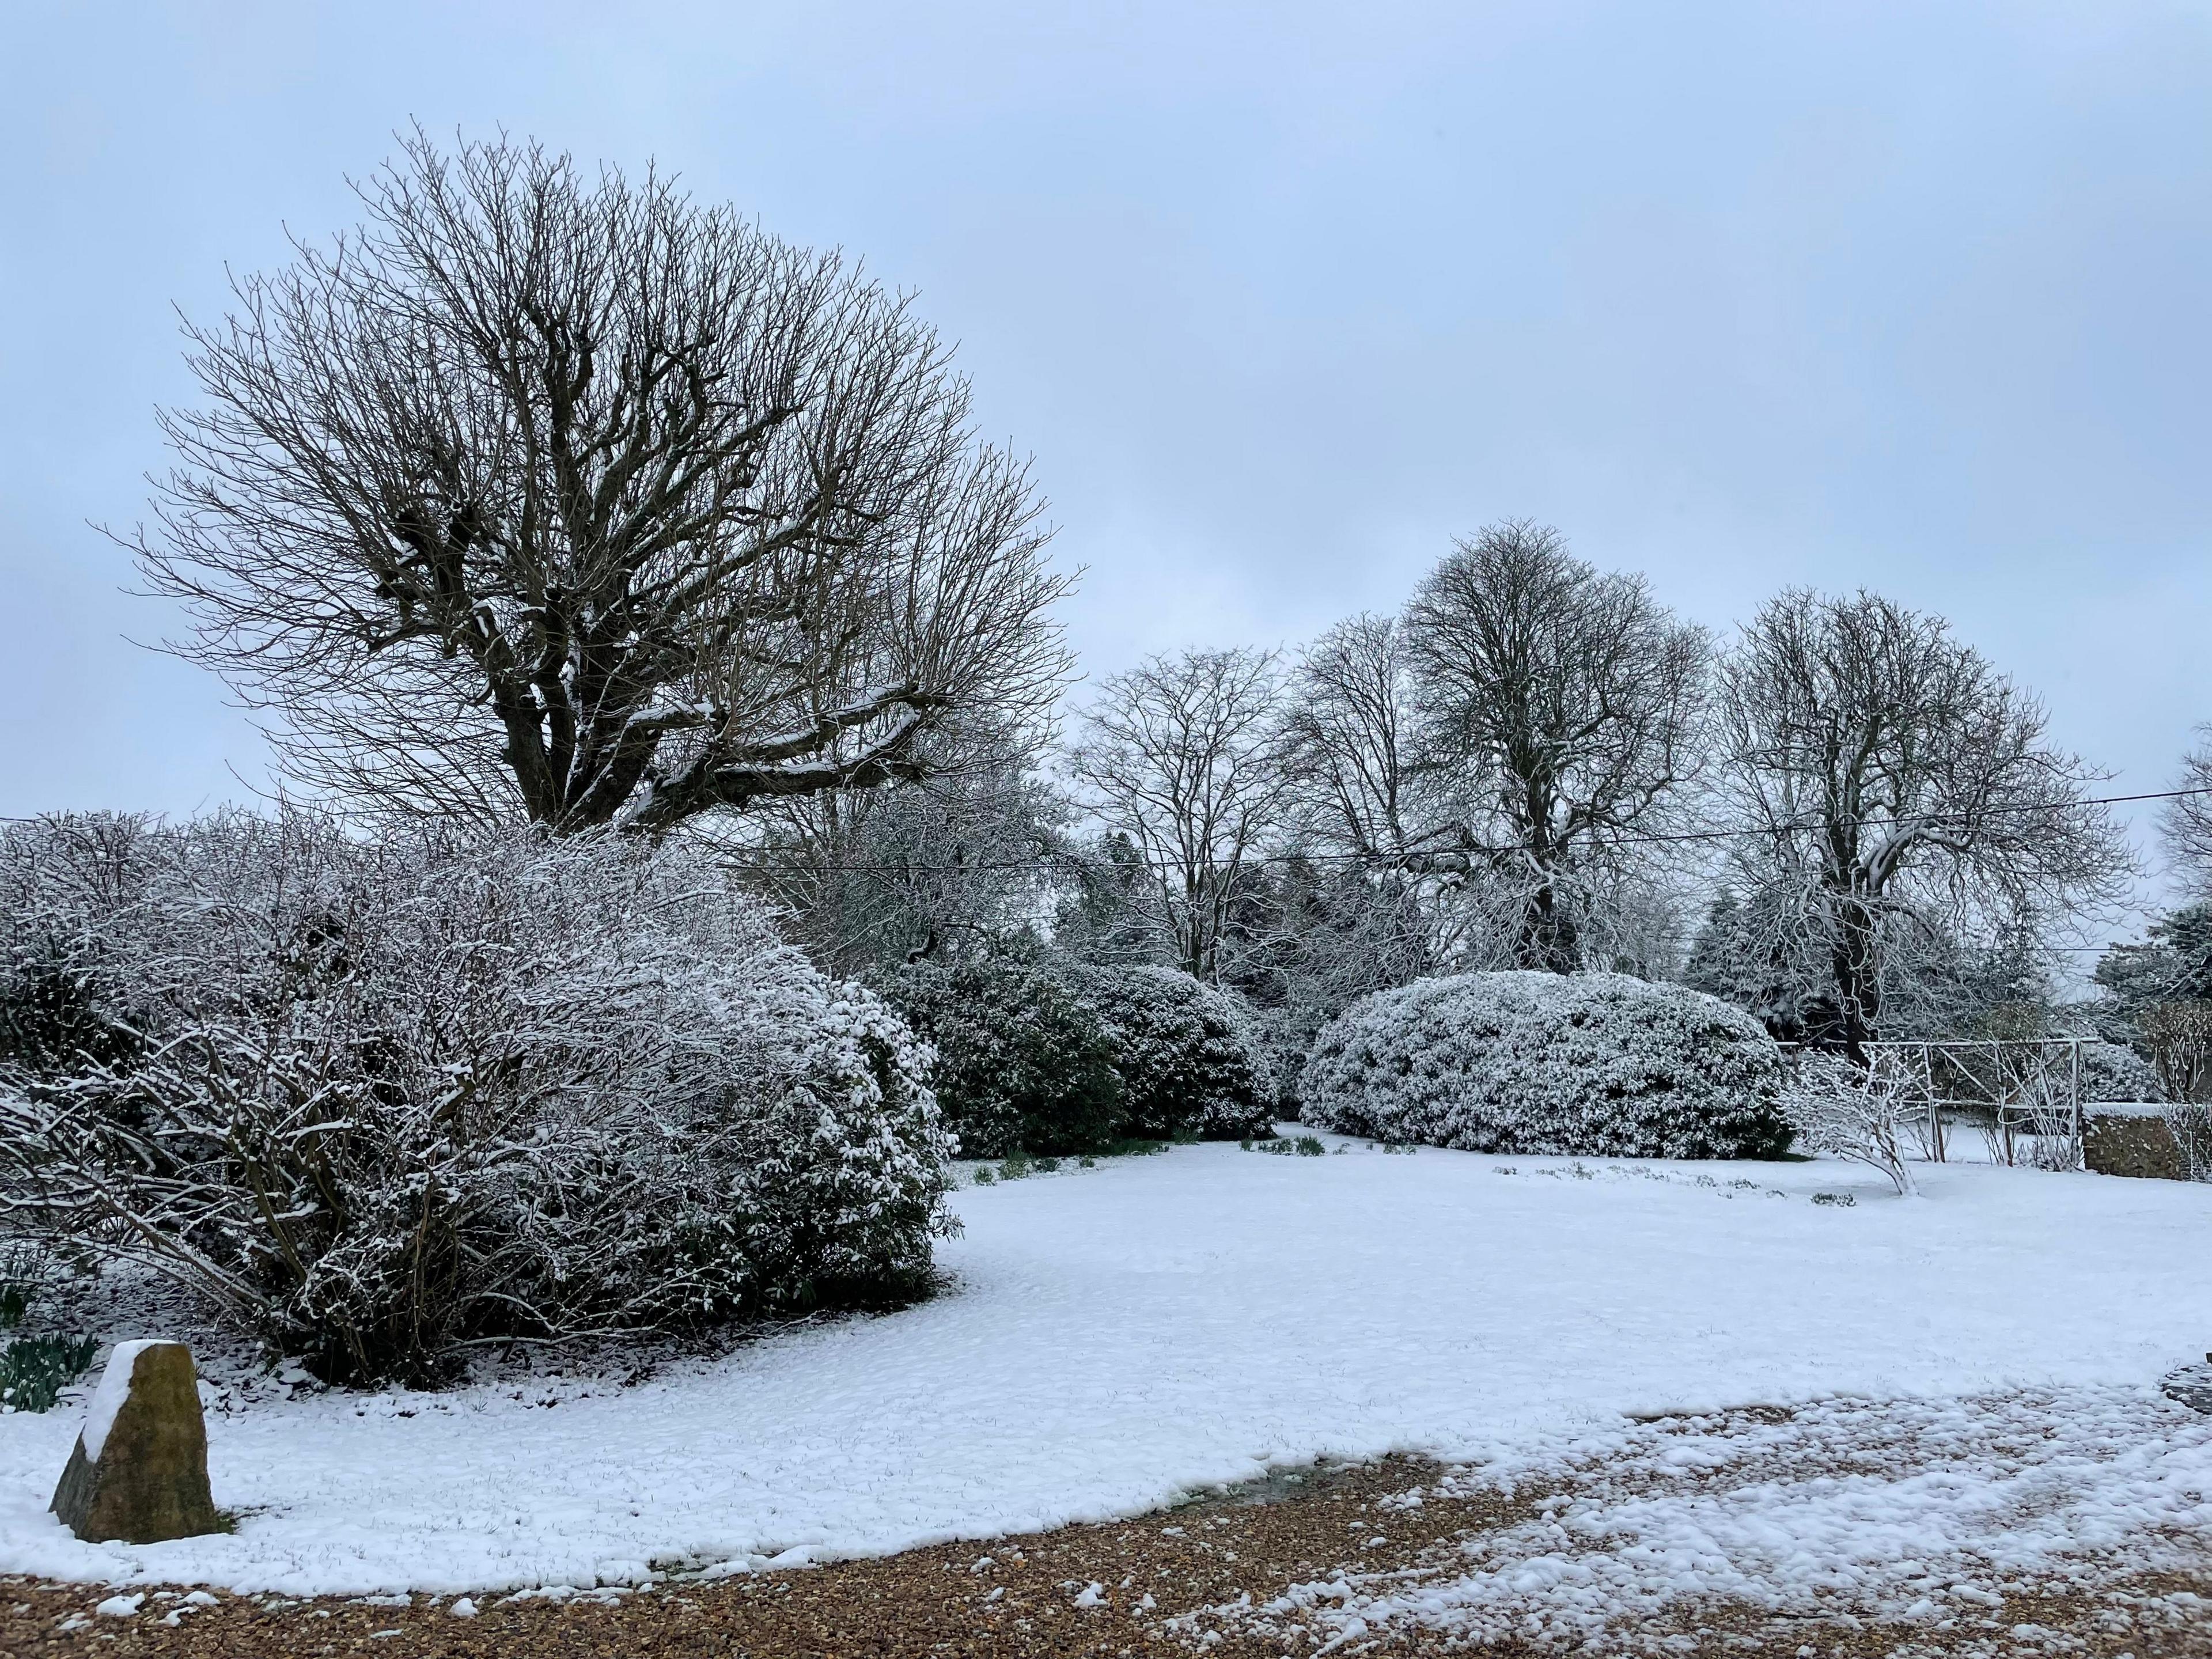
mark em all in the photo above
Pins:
pixel 574 500
pixel 1894 789
pixel 1560 716
pixel 1180 755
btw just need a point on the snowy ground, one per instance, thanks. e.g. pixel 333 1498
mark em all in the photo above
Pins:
pixel 1125 1334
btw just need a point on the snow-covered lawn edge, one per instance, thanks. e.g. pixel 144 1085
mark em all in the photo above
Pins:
pixel 1157 1325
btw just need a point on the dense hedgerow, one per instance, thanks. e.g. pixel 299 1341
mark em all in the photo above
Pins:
pixel 384 1103
pixel 1021 1063
pixel 1599 1065
pixel 1189 1059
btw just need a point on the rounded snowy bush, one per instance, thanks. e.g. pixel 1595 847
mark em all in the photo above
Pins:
pixel 1599 1065
pixel 1021 1063
pixel 1189 1060
pixel 2110 1072
pixel 387 1103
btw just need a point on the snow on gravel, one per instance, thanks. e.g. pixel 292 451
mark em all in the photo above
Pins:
pixel 1918 1510
pixel 1122 1334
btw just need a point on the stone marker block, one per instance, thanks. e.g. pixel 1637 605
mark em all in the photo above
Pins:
pixel 138 1473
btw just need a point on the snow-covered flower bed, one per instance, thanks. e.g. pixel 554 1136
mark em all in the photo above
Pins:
pixel 1917 1512
pixel 1593 1064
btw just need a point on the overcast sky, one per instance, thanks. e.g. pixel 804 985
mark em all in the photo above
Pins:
pixel 1280 298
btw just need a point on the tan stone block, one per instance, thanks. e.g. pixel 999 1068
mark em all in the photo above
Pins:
pixel 138 1472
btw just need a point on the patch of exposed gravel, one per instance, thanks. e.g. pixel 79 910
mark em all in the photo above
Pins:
pixel 1128 1588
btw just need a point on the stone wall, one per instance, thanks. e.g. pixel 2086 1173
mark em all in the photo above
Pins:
pixel 2130 1140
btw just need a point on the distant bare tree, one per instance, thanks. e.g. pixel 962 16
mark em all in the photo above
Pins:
pixel 1368 912
pixel 2185 825
pixel 970 858
pixel 1560 709
pixel 2179 1036
pixel 1180 756
pixel 1351 733
pixel 1895 790
pixel 577 501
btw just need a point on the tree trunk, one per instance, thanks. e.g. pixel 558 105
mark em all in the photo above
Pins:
pixel 1857 970
pixel 1550 940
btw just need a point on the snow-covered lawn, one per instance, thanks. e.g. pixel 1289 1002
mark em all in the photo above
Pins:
pixel 1122 1334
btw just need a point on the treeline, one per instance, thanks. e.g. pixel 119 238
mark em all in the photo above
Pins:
pixel 1842 816
pixel 573 502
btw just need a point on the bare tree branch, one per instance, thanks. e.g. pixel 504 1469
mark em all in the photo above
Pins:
pixel 2185 825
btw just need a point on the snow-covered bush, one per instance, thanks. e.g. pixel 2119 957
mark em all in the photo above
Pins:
pixel 1189 1060
pixel 2111 1072
pixel 1595 1064
pixel 383 1103
pixel 59 1005
pixel 1837 1109
pixel 1021 1063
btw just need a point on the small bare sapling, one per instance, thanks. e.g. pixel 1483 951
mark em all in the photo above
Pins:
pixel 1843 1111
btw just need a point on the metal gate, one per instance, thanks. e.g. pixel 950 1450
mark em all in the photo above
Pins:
pixel 2023 1095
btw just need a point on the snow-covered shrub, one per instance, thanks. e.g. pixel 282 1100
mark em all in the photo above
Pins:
pixel 383 1103
pixel 1837 1109
pixel 1050 1057
pixel 1190 1062
pixel 1022 1064
pixel 2111 1072
pixel 60 1006
pixel 1595 1064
